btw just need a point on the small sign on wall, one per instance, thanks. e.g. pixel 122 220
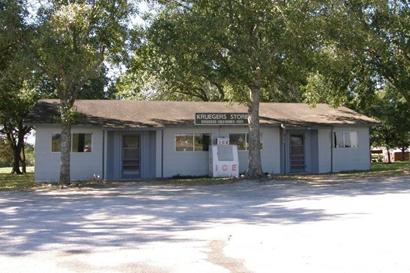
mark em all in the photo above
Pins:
pixel 221 118
pixel 222 141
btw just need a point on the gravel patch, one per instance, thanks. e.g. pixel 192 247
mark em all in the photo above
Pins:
pixel 271 226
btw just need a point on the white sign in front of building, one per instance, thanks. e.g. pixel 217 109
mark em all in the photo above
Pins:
pixel 223 161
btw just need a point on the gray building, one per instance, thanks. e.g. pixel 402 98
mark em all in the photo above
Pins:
pixel 118 140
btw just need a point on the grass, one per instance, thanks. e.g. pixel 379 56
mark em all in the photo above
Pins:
pixel 7 170
pixel 376 170
pixel 395 166
pixel 16 182
pixel 25 182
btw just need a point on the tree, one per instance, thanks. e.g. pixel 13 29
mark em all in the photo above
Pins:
pixel 245 50
pixel 366 48
pixel 16 96
pixel 15 107
pixel 388 50
pixel 365 64
pixel 75 40
pixel 394 115
pixel 6 154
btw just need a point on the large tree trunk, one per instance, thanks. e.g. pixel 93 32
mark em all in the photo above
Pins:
pixel 15 136
pixel 16 161
pixel 15 147
pixel 65 154
pixel 254 168
pixel 23 159
pixel 388 156
pixel 22 155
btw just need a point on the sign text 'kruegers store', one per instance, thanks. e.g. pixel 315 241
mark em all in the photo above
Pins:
pixel 221 118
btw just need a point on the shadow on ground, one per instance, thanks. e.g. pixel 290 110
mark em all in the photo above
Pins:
pixel 136 214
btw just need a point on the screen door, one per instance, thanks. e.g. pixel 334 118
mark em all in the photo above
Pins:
pixel 297 153
pixel 131 156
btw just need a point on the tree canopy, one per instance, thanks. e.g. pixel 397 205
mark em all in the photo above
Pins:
pixel 354 53
pixel 73 42
pixel 244 51
pixel 16 77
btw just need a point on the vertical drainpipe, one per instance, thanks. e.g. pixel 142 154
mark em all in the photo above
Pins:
pixel 283 148
pixel 103 155
pixel 331 148
pixel 162 153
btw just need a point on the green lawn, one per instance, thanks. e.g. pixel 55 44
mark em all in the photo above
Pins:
pixel 16 182
pixel 25 182
pixel 395 166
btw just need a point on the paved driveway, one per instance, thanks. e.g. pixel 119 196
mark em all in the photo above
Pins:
pixel 349 226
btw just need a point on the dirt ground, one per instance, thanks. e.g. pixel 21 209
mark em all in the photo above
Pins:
pixel 356 225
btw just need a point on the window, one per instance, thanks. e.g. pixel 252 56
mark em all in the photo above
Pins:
pixel 201 142
pixel 346 139
pixel 81 143
pixel 242 141
pixel 192 142
pixel 56 143
pixel 184 143
pixel 354 139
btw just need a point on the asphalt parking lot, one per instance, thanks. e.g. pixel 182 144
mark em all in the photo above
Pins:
pixel 286 226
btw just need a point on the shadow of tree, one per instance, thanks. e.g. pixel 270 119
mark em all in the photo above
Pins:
pixel 131 215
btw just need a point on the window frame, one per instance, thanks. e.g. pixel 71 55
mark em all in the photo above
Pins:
pixel 193 135
pixel 201 135
pixel 51 143
pixel 246 140
pixel 71 144
pixel 343 134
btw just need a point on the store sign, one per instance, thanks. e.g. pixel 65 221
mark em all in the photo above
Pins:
pixel 221 118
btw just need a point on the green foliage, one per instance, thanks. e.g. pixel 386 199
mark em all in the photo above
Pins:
pixel 218 50
pixel 16 94
pixel 389 52
pixel 366 48
pixel 319 89
pixel 393 112
pixel 6 154
pixel 75 40
pixel 15 104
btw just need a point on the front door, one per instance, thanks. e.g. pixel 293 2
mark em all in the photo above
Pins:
pixel 131 166
pixel 297 153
